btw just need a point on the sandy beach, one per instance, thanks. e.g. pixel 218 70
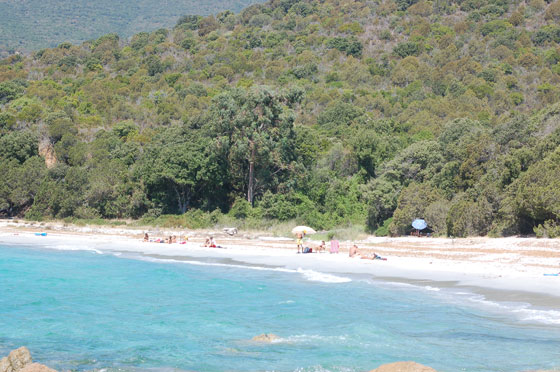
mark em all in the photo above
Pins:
pixel 511 265
pixel 497 281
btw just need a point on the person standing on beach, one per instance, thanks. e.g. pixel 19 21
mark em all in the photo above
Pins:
pixel 299 243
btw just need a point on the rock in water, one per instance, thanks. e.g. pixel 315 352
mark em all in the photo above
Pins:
pixel 16 360
pixel 266 337
pixel 19 360
pixel 403 367
pixel 36 367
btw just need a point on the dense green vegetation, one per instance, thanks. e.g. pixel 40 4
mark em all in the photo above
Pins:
pixel 330 113
pixel 34 24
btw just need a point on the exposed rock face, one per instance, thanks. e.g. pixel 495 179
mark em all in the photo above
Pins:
pixel 46 150
pixel 403 367
pixel 19 360
pixel 266 337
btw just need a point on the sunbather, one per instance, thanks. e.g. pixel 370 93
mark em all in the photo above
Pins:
pixel 373 256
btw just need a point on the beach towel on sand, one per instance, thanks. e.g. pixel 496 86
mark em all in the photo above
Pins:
pixel 334 246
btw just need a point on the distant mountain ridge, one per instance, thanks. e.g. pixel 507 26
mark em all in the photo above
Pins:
pixel 34 24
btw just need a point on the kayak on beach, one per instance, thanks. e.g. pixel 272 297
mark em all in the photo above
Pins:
pixel 557 274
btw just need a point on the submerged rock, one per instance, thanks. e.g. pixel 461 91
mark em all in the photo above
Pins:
pixel 266 337
pixel 19 360
pixel 403 367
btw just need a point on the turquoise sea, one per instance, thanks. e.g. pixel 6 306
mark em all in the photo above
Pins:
pixel 82 310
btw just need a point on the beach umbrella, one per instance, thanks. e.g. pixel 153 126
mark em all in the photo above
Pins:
pixel 419 224
pixel 303 230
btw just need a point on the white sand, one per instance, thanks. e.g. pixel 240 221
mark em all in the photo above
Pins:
pixel 515 264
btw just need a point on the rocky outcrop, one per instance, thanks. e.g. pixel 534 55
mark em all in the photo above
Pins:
pixel 19 360
pixel 16 360
pixel 36 367
pixel 46 150
pixel 266 337
pixel 403 367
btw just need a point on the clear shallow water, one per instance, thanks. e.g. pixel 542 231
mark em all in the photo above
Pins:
pixel 82 310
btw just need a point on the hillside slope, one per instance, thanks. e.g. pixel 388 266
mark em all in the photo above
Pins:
pixel 330 112
pixel 34 24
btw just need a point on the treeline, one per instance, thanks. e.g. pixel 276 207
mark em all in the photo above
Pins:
pixel 330 113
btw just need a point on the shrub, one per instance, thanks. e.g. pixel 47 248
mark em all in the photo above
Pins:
pixel 494 27
pixel 553 11
pixel 241 208
pixel 349 45
pixel 406 49
pixel 383 230
pixel 550 229
pixel 546 34
pixel 306 71
pixel 9 91
pixel 188 44
pixel 189 22
pixel 516 98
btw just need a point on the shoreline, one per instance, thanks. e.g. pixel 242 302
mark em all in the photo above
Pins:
pixel 500 269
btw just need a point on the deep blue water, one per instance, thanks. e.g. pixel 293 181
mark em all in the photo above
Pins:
pixel 80 310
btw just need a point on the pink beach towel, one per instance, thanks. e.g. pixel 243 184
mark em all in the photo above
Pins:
pixel 334 246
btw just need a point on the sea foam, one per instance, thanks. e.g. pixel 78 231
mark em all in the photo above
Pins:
pixel 311 275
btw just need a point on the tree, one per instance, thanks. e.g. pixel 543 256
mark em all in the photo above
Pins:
pixel 413 202
pixel 381 196
pixel 20 145
pixel 255 132
pixel 61 192
pixel 534 197
pixel 19 183
pixel 177 166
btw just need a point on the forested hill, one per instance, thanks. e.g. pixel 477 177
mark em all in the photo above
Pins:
pixel 327 112
pixel 27 25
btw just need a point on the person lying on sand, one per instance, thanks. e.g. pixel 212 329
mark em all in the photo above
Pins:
pixel 354 251
pixel 373 256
